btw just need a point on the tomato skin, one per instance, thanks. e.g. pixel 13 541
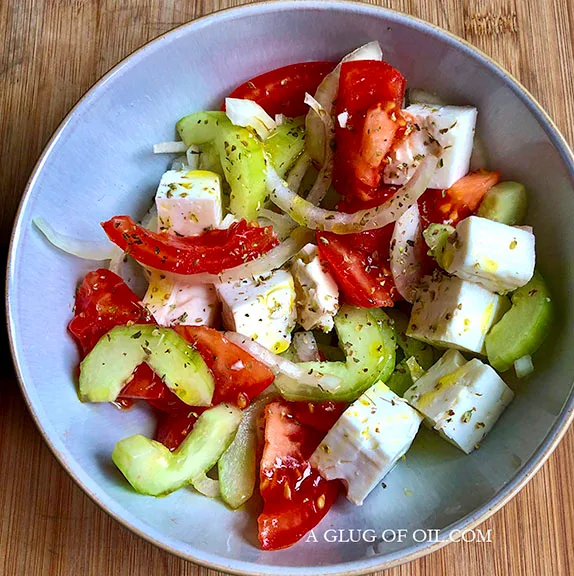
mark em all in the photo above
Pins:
pixel 103 300
pixel 238 376
pixel 282 91
pixel 296 497
pixel 318 415
pixel 212 252
pixel 370 93
pixel 362 274
pixel 459 201
pixel 172 428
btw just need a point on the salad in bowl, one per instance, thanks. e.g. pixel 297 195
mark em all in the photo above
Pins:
pixel 329 265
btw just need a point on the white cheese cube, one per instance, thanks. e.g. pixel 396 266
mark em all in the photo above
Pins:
pixel 179 303
pixel 464 405
pixel 263 309
pixel 451 313
pixel 445 131
pixel 366 441
pixel 498 257
pixel 189 202
pixel 317 291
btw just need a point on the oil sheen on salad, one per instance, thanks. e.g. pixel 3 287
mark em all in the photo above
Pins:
pixel 330 264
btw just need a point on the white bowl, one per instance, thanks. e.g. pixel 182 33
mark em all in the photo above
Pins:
pixel 99 164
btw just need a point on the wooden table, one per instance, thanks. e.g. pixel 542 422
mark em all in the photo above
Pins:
pixel 52 51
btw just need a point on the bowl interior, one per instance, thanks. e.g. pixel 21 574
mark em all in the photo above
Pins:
pixel 100 164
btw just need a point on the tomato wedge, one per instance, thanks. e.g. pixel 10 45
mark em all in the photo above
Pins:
pixel 238 376
pixel 360 266
pixel 370 96
pixel 319 415
pixel 459 201
pixel 172 428
pixel 213 251
pixel 295 496
pixel 282 91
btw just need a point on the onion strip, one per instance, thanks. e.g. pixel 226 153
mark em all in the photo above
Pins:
pixel 279 365
pixel 86 249
pixel 323 182
pixel 306 347
pixel 206 486
pixel 175 147
pixel 311 216
pixel 297 173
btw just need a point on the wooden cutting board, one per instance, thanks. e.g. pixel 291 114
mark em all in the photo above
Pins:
pixel 51 52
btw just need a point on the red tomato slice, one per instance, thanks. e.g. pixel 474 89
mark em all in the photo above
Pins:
pixel 459 201
pixel 319 415
pixel 370 93
pixel 364 278
pixel 173 428
pixel 238 376
pixel 213 251
pixel 282 91
pixel 103 300
pixel 295 496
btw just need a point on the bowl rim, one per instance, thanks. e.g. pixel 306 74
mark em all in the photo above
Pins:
pixel 356 567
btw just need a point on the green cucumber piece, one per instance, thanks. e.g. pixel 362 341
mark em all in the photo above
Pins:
pixel 107 368
pixel 201 127
pixel 506 202
pixel 368 340
pixel 286 143
pixel 424 354
pixel 152 469
pixel 237 467
pixel 209 159
pixel 400 380
pixel 436 238
pixel 523 328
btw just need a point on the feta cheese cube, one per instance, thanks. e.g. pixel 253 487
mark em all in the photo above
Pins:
pixel 366 441
pixel 317 292
pixel 445 131
pixel 263 309
pixel 450 312
pixel 498 257
pixel 462 405
pixel 189 202
pixel 173 302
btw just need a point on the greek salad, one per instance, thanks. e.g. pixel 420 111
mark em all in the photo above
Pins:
pixel 329 265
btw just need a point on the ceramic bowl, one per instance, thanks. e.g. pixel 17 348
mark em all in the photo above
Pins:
pixel 99 163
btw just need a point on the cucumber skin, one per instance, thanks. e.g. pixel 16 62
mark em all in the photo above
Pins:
pixel 379 358
pixel 153 470
pixel 506 203
pixel 531 314
pixel 286 144
pixel 125 347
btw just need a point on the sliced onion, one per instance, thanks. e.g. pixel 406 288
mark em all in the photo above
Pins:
pixel 278 365
pixel 279 119
pixel 86 249
pixel 227 221
pixel 528 229
pixel 415 369
pixel 169 148
pixel 179 163
pixel 297 173
pixel 326 94
pixel 206 486
pixel 317 218
pixel 249 114
pixel 323 182
pixel 192 155
pixel 272 260
pixel 523 366
pixel 406 252
pixel 282 224
pixel 306 347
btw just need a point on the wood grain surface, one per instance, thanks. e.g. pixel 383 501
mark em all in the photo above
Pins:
pixel 51 52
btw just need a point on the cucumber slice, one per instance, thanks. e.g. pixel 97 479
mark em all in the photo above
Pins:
pixel 436 237
pixel 506 203
pixel 152 469
pixel 400 380
pixel 237 467
pixel 201 127
pixel 368 340
pixel 523 328
pixel 107 368
pixel 286 143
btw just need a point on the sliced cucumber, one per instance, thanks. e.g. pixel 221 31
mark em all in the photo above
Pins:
pixel 201 127
pixel 237 466
pixel 107 368
pixel 436 237
pixel 152 469
pixel 286 143
pixel 523 328
pixel 368 340
pixel 506 202
pixel 400 380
